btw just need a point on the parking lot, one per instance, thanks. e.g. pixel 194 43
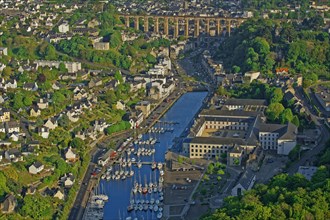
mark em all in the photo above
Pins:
pixel 179 185
pixel 272 165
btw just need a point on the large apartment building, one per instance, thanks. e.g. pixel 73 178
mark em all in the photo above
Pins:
pixel 237 132
pixel 72 67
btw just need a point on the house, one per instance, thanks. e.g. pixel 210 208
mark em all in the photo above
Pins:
pixel 12 126
pixel 56 86
pixel 282 71
pixel 135 118
pixel 2 128
pixel 51 123
pixel 43 132
pixel 63 28
pixel 3 51
pixel 67 180
pixel 250 76
pixel 36 167
pixel 31 190
pixel 81 135
pixel 145 107
pixel 70 156
pixel 2 99
pixel 30 86
pixel 4 115
pixel 95 82
pixel 35 111
pixel 322 95
pixel 90 133
pixel 9 204
pixel 13 155
pixel 103 160
pixel 14 136
pixel 101 45
pixel 59 194
pixel 30 149
pixel 42 103
pixel 11 84
pixel 100 125
pixel 244 183
pixel 120 105
pixel 111 85
pixel 73 115
pixel 235 156
pixel 79 95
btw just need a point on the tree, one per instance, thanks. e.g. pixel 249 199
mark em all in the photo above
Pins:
pixel 236 69
pixel 58 97
pixel 295 121
pixel 151 59
pixel 2 136
pixel 41 78
pixel 18 101
pixel 118 76
pixel 7 71
pixel 37 207
pixel 276 96
pixel 222 91
pixel 286 116
pixel 64 121
pixel 27 100
pixel 309 80
pixel 50 53
pixel 3 187
pixel 274 110
pixel 79 144
pixel 62 68
pixel 115 39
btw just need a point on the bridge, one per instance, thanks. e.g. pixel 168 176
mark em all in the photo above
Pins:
pixel 212 25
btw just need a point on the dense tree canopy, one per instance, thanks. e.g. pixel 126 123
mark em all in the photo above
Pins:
pixel 263 45
pixel 285 197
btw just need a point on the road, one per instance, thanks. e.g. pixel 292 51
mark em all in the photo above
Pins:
pixel 311 155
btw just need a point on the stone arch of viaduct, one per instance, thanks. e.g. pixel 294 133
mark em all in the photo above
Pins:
pixel 176 21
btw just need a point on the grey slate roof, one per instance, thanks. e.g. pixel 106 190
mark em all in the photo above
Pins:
pixel 228 113
pixel 287 131
pixel 258 102
pixel 246 179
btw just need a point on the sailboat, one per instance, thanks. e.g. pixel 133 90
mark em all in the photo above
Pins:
pixel 154 164
pixel 145 188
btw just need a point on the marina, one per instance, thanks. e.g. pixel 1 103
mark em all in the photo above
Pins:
pixel 134 183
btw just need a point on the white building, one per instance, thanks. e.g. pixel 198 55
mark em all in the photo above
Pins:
pixel 3 51
pixel 281 138
pixel 36 168
pixel 63 28
pixel 72 67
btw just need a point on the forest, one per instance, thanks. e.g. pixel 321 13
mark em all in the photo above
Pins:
pixel 284 197
pixel 265 44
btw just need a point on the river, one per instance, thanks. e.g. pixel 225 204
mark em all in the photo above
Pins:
pixel 119 191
